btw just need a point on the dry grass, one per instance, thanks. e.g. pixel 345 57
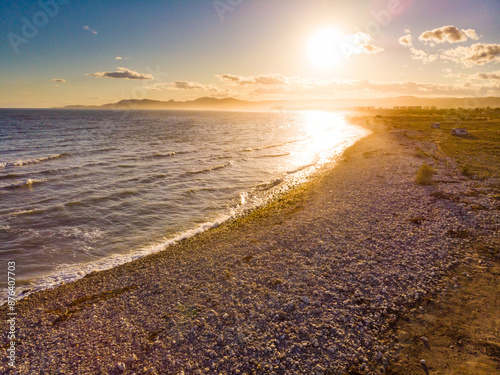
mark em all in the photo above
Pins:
pixel 425 174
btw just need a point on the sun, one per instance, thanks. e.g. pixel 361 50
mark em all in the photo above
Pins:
pixel 324 48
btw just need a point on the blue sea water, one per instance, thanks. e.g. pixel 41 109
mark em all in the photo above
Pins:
pixel 84 190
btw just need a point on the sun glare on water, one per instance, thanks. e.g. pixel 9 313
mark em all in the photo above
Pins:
pixel 325 48
pixel 326 133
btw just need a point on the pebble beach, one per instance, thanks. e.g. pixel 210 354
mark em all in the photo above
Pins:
pixel 313 283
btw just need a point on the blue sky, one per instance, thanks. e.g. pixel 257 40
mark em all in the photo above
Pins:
pixel 250 49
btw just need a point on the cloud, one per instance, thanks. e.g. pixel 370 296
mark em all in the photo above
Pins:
pixel 186 85
pixel 450 34
pixel 363 43
pixel 370 48
pixel 262 79
pixel 86 28
pixel 59 80
pixel 481 76
pixel 189 85
pixel 405 40
pixel 477 54
pixel 416 54
pixel 118 58
pixel 471 34
pixel 285 87
pixel 358 43
pixel 123 73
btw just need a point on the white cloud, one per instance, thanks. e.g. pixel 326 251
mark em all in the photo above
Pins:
pixel 275 86
pixel 189 86
pixel 405 40
pixel 450 34
pixel 477 54
pixel 360 43
pixel 262 79
pixel 86 28
pixel 471 34
pixel 59 80
pixel 122 73
pixel 481 76
pixel 417 54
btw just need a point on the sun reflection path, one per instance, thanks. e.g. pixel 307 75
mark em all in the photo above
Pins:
pixel 327 135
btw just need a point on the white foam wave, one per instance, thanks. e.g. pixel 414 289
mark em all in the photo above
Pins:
pixel 71 272
pixel 214 168
pixel 22 163
pixel 272 155
pixel 269 185
pixel 22 184
pixel 160 155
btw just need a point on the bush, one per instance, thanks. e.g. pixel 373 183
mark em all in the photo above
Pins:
pixel 467 170
pixel 424 175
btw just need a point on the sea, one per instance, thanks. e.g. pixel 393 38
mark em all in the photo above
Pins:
pixel 86 190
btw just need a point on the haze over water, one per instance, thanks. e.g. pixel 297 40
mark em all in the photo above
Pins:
pixel 85 190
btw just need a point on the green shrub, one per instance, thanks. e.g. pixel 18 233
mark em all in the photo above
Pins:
pixel 425 174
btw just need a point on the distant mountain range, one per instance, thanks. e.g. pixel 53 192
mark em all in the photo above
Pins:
pixel 236 104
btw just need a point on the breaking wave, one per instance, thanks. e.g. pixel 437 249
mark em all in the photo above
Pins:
pixel 22 163
pixel 214 168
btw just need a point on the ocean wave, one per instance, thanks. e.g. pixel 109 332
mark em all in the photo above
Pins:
pixel 22 163
pixel 66 273
pixel 22 184
pixel 300 168
pixel 214 168
pixel 162 155
pixel 39 211
pixel 94 200
pixel 25 212
pixel 153 178
pixel 272 155
pixel 285 143
pixel 11 176
pixel 158 155
pixel 251 149
pixel 269 185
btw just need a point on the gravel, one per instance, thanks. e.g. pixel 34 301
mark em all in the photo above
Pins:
pixel 312 284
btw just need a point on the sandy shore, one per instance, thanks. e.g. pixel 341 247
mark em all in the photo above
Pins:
pixel 314 283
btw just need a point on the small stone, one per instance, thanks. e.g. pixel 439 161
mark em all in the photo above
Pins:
pixel 306 300
pixel 121 366
pixel 319 368
pixel 132 358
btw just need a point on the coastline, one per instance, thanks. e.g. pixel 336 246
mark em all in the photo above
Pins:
pixel 312 283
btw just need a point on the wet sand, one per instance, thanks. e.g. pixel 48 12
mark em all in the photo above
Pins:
pixel 318 281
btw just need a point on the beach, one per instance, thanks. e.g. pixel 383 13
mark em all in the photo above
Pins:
pixel 318 281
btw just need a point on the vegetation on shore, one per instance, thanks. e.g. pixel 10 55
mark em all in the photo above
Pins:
pixel 455 331
pixel 477 155
pixel 424 175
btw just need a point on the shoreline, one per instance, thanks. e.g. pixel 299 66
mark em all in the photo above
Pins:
pixel 263 194
pixel 306 284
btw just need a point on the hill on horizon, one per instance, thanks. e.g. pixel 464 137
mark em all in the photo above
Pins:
pixel 234 104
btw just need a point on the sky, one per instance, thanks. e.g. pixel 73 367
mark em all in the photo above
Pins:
pixel 91 52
